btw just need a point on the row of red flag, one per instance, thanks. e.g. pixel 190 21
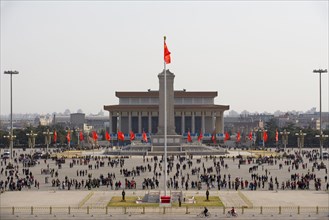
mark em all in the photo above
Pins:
pixel 120 136
pixel 238 136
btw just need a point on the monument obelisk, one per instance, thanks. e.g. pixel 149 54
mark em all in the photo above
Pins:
pixel 173 140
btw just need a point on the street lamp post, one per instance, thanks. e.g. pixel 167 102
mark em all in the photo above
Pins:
pixel 321 136
pixel 11 138
pixel 285 134
pixel 300 140
pixel 78 135
pixel 11 73
pixel 320 71
pixel 47 139
pixel 31 137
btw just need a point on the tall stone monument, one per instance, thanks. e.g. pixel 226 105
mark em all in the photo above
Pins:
pixel 172 138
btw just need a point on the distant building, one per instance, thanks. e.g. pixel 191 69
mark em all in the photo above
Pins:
pixel 77 120
pixel 80 120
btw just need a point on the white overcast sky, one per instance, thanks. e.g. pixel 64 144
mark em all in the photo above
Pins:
pixel 258 55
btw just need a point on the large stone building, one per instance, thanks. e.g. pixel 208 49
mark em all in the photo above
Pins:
pixel 186 111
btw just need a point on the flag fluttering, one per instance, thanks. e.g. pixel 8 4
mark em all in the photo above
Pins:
pixel 250 135
pixel 55 136
pixel 167 58
pixel 95 136
pixel 227 136
pixel 265 137
pixel 132 135
pixel 107 136
pixel 238 137
pixel 200 136
pixel 189 139
pixel 121 136
pixel 68 137
pixel 81 137
pixel 213 137
pixel 144 137
pixel 276 135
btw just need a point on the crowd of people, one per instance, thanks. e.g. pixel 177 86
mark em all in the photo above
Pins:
pixel 292 170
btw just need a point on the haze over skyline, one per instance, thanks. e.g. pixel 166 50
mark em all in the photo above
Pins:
pixel 259 56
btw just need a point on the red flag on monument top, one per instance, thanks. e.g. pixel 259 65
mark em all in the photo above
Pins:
pixel 132 135
pixel 189 139
pixel 167 58
pixel 107 136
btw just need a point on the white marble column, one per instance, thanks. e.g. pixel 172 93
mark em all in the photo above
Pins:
pixel 193 122
pixel 219 122
pixel 119 121
pixel 213 120
pixel 139 122
pixel 110 126
pixel 203 122
pixel 183 122
pixel 150 122
pixel 129 121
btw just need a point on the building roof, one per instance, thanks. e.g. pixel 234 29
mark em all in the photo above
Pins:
pixel 156 107
pixel 177 94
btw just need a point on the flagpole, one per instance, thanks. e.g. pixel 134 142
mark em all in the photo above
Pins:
pixel 165 127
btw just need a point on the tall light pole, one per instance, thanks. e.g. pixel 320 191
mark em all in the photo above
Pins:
pixel 320 71
pixel 11 73
pixel 285 134
pixel 47 139
pixel 78 135
pixel 321 136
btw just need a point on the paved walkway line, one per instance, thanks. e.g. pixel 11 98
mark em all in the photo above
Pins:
pixel 85 199
pixel 245 199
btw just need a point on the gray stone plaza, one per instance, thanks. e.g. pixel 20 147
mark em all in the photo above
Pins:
pixel 313 203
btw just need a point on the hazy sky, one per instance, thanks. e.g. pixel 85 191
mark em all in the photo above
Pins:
pixel 258 55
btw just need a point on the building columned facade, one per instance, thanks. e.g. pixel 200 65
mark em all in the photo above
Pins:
pixel 193 111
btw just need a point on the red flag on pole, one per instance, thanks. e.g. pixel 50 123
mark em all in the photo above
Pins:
pixel 276 135
pixel 132 135
pixel 68 137
pixel 227 136
pixel 189 139
pixel 95 136
pixel 81 137
pixel 238 137
pixel 265 137
pixel 250 135
pixel 121 136
pixel 144 137
pixel 167 58
pixel 200 136
pixel 107 136
pixel 55 136
pixel 213 137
